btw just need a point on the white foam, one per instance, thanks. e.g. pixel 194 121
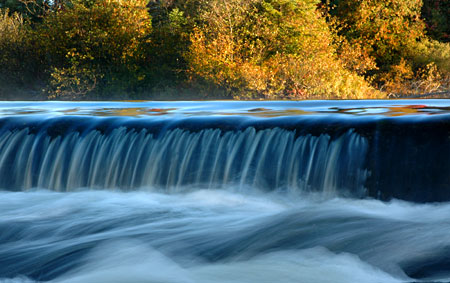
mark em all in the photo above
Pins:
pixel 263 236
pixel 130 261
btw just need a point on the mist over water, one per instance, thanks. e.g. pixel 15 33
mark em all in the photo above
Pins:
pixel 199 196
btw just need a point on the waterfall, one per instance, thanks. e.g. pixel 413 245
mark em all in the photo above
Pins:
pixel 332 155
pixel 126 159
pixel 315 191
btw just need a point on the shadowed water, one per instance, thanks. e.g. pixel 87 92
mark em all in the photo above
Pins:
pixel 225 192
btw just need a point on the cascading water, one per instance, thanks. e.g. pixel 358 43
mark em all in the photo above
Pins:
pixel 225 192
pixel 129 159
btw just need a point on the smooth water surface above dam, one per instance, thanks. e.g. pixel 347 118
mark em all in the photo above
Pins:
pixel 387 108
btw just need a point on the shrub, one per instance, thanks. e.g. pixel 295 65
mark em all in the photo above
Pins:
pixel 268 49
pixel 385 28
pixel 95 46
pixel 392 35
pixel 169 39
pixel 426 69
pixel 429 51
pixel 431 60
pixel 16 65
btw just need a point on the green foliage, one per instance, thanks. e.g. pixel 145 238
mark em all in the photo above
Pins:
pixel 431 51
pixel 12 40
pixel 95 46
pixel 18 63
pixel 169 39
pixel 431 61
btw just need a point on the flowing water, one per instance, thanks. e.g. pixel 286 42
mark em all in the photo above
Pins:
pixel 315 191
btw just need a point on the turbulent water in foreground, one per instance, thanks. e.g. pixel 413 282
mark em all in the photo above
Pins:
pixel 225 192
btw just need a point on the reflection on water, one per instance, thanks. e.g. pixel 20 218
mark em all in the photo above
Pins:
pixel 387 108
pixel 392 111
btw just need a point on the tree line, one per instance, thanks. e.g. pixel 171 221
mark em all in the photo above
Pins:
pixel 241 49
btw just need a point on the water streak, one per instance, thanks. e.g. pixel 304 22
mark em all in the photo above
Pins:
pixel 225 192
pixel 128 159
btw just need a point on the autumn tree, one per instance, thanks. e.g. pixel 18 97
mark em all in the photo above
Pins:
pixel 95 45
pixel 384 27
pixel 391 34
pixel 268 48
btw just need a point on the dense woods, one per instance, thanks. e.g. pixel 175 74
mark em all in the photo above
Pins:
pixel 241 49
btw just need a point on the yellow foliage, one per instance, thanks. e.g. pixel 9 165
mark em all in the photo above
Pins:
pixel 270 49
